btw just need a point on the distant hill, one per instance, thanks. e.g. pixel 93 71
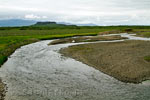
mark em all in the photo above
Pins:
pixel 16 22
pixel 50 24
pixel 21 22
pixel 45 23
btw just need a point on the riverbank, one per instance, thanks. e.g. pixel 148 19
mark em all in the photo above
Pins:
pixel 125 61
pixel 2 90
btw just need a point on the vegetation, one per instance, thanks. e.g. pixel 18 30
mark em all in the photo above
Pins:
pixel 12 38
pixel 147 58
pixel 144 34
pixel 2 90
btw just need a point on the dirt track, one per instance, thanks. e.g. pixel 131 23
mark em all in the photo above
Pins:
pixel 122 60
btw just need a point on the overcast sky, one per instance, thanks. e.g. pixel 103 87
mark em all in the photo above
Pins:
pixel 101 12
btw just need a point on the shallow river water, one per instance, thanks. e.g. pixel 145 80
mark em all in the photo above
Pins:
pixel 38 72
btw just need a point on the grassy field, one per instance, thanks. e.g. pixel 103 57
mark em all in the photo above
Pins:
pixel 144 34
pixel 12 38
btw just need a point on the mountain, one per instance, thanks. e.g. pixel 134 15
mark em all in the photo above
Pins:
pixel 45 23
pixel 16 22
pixel 50 24
pixel 21 22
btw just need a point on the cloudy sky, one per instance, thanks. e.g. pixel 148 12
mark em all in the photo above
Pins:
pixel 100 12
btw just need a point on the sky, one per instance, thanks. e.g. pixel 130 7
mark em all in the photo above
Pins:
pixel 100 12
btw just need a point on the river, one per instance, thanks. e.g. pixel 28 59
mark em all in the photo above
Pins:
pixel 38 72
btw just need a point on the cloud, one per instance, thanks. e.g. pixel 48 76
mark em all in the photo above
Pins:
pixel 79 11
pixel 32 16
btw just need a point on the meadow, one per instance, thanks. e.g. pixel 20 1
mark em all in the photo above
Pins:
pixel 12 38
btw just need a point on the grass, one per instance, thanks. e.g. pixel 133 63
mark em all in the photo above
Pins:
pixel 11 44
pixel 47 32
pixel 144 34
pixel 147 58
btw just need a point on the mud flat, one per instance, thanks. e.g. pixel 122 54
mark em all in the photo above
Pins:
pixel 122 60
pixel 87 39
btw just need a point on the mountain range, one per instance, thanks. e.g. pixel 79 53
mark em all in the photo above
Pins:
pixel 22 22
pixel 16 22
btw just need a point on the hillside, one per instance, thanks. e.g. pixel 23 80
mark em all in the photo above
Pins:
pixel 50 24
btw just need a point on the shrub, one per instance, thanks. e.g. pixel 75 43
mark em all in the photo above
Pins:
pixel 147 58
pixel 128 30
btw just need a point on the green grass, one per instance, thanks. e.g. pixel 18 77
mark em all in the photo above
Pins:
pixel 47 32
pixel 144 34
pixel 147 58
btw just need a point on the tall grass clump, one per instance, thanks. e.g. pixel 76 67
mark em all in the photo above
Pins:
pixel 147 58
